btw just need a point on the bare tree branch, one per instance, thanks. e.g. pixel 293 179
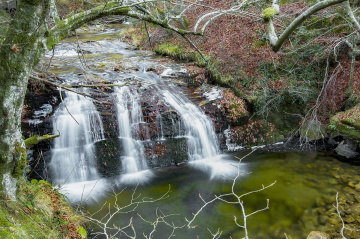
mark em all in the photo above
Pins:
pixel 277 42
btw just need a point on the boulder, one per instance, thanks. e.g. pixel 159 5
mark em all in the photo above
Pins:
pixel 318 235
pixel 313 130
pixel 8 5
pixel 347 149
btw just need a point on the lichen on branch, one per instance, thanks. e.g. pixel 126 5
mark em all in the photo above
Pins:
pixel 268 13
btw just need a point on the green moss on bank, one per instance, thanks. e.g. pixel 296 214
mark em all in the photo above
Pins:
pixel 346 123
pixel 20 164
pixel 39 212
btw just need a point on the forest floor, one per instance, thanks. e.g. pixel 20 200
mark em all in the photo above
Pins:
pixel 239 53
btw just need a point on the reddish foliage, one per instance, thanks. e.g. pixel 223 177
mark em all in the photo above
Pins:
pixel 237 44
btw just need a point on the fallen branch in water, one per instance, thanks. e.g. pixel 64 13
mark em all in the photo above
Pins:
pixel 68 87
pixel 59 85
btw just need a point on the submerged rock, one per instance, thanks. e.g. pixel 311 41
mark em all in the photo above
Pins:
pixel 318 235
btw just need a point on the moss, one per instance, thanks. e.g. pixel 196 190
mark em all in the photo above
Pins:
pixel 186 22
pixel 32 215
pixel 20 164
pixel 348 131
pixel 171 50
pixel 268 13
pixel 346 123
pixel 37 139
pixel 351 123
pixel 33 2
pixel 31 141
pixel 313 131
pixel 260 43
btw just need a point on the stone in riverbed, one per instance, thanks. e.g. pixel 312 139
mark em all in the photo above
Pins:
pixel 350 220
pixel 347 150
pixel 318 235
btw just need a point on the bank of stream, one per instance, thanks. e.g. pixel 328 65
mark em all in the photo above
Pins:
pixel 302 200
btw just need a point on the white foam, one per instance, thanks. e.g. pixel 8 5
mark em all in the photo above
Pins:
pixel 140 177
pixel 87 191
pixel 218 167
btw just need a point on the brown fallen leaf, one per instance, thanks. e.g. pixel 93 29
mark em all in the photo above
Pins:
pixel 15 48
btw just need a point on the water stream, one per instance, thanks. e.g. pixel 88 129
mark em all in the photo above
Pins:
pixel 199 131
pixel 150 122
pixel 73 153
pixel 130 119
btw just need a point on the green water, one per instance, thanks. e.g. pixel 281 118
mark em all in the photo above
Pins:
pixel 306 187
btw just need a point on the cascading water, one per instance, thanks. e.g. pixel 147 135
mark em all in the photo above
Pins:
pixel 130 121
pixel 201 137
pixel 73 157
pixel 156 123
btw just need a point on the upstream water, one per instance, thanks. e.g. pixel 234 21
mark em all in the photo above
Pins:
pixel 300 201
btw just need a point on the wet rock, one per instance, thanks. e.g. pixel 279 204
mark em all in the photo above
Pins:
pixel 164 153
pixel 40 103
pixel 318 235
pixel 349 190
pixel 349 220
pixel 108 153
pixel 334 221
pixel 323 220
pixel 347 149
pixel 333 142
pixel 150 69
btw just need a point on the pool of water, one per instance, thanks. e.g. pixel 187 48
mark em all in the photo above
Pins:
pixel 306 187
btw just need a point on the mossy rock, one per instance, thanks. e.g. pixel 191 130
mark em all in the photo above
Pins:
pixel 313 130
pixel 346 123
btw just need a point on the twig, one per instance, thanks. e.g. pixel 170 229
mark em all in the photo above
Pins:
pixel 66 106
pixel 61 86
pixel 148 34
pixel 338 212
pixel 238 201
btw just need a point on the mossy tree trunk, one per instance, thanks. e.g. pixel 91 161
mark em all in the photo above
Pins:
pixel 20 51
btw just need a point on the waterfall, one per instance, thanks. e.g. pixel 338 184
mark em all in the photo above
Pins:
pixel 130 121
pixel 199 132
pixel 73 157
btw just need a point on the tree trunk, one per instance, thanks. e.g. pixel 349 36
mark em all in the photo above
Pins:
pixel 20 51
pixel 278 42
